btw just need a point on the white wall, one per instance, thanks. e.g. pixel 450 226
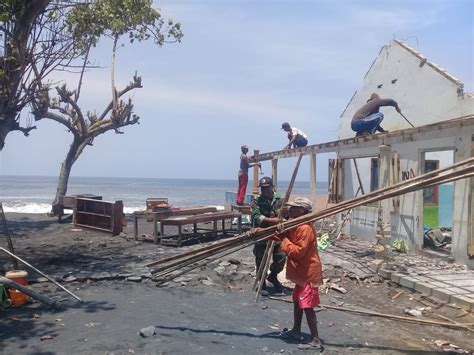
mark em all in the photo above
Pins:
pixel 424 95
pixel 407 221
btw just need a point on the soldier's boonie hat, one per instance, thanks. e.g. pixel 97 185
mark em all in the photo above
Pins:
pixel 265 182
pixel 302 202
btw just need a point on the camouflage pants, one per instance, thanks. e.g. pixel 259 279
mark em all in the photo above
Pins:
pixel 279 258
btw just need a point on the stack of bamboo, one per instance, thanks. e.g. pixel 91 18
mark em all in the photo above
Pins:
pixel 169 268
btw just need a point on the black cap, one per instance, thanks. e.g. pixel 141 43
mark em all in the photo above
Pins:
pixel 265 182
pixel 285 125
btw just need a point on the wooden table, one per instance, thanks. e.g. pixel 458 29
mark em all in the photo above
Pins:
pixel 161 215
pixel 180 221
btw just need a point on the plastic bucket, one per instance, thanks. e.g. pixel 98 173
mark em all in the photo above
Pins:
pixel 18 298
pixel 18 276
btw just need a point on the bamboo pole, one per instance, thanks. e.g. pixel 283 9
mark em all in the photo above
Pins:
pixel 401 188
pixel 269 250
pixel 217 254
pixel 347 202
pixel 33 294
pixel 9 237
pixel 41 273
pixel 370 313
pixel 265 233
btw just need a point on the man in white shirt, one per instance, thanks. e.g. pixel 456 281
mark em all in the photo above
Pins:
pixel 297 138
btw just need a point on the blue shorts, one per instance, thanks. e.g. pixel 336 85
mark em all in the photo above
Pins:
pixel 367 124
pixel 300 141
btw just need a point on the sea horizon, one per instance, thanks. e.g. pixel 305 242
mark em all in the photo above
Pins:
pixel 34 194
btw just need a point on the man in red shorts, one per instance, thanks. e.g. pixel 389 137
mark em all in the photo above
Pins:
pixel 304 269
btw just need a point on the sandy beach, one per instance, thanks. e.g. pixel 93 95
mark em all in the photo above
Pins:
pixel 202 312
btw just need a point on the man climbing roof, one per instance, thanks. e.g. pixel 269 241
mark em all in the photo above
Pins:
pixel 368 118
pixel 297 138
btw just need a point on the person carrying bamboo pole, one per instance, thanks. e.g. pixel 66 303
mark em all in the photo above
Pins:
pixel 265 210
pixel 305 270
pixel 367 119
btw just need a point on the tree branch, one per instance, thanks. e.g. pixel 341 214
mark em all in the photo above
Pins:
pixel 135 84
pixel 66 97
pixel 60 119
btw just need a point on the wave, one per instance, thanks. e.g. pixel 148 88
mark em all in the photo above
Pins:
pixel 43 208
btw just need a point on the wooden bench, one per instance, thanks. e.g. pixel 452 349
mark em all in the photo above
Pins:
pixel 180 221
pixel 158 216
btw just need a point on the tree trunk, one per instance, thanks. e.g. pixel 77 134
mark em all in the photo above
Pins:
pixel 6 124
pixel 66 167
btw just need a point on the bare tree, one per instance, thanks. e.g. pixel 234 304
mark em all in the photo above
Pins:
pixel 55 37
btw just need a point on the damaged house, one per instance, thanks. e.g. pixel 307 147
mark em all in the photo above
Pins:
pixel 435 103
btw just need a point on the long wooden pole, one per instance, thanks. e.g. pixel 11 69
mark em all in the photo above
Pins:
pixel 351 202
pixel 217 254
pixel 406 186
pixel 27 291
pixel 261 235
pixel 269 252
pixel 265 233
pixel 41 273
pixel 8 236
pixel 385 315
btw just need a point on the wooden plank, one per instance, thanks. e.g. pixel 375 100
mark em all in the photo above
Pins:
pixel 255 191
pixel 409 134
pixel 312 174
pixel 201 218
pixel 275 172
pixel 470 246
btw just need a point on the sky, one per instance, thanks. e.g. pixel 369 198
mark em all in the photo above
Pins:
pixel 242 68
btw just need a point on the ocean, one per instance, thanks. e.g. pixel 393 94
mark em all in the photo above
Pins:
pixel 33 194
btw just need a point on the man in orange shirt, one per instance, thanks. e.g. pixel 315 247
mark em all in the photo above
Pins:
pixel 304 269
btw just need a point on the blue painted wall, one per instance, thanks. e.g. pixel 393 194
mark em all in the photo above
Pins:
pixel 445 204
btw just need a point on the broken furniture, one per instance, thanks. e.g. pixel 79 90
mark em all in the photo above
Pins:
pixel 160 214
pixel 101 215
pixel 180 221
pixel 244 209
pixel 69 202
pixel 153 203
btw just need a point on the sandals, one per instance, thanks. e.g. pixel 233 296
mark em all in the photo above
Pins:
pixel 289 335
pixel 312 346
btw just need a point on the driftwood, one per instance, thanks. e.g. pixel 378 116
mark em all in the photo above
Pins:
pixel 370 313
pixel 11 284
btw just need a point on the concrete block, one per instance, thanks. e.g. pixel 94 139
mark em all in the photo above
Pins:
pixel 463 301
pixel 442 294
pixel 439 284
pixel 408 282
pixel 384 273
pixel 461 283
pixel 458 290
pixel 423 288
pixel 395 277
pixel 453 276
pixel 424 278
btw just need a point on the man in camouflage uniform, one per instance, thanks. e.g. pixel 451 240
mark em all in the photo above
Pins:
pixel 265 214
